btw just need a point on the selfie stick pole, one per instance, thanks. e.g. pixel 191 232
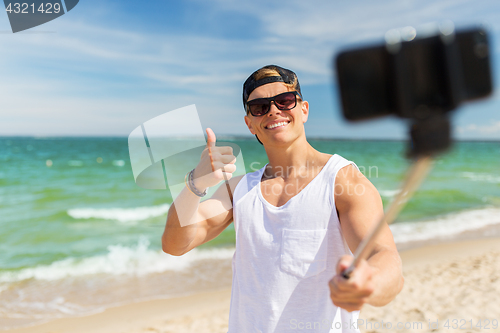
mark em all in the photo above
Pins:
pixel 415 176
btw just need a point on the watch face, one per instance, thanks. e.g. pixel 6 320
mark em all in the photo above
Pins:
pixel 24 14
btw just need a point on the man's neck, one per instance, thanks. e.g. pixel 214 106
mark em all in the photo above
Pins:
pixel 287 160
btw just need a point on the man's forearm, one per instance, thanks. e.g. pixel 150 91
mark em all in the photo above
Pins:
pixel 387 278
pixel 180 229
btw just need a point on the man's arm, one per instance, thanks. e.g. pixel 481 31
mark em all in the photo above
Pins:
pixel 191 223
pixel 379 279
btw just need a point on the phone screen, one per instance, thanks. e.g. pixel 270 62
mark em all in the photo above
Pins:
pixel 424 75
pixel 475 61
pixel 364 79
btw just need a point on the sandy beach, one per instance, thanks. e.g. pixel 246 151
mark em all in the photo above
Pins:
pixel 449 287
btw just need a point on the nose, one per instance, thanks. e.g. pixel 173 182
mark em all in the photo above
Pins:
pixel 273 109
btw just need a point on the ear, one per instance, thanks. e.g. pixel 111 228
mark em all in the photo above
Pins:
pixel 249 124
pixel 305 111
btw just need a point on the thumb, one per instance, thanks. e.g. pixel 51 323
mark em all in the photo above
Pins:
pixel 344 263
pixel 211 138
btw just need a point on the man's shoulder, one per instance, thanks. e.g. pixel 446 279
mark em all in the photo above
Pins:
pixel 352 186
pixel 349 172
pixel 341 167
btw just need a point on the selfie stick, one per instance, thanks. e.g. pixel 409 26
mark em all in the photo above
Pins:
pixel 413 180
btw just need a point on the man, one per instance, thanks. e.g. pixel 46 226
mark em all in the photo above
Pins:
pixel 297 221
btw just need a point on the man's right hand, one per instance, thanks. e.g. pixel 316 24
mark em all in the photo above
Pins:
pixel 209 217
pixel 216 164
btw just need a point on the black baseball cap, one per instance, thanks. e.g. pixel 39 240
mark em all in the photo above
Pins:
pixel 286 76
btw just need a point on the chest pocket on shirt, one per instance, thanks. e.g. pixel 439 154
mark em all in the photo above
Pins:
pixel 303 252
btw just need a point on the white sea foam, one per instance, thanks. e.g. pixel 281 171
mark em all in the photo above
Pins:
pixel 119 214
pixel 138 260
pixel 55 308
pixel 3 287
pixel 388 193
pixel 446 226
pixel 481 177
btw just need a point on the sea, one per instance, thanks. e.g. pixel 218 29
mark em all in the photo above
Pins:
pixel 78 235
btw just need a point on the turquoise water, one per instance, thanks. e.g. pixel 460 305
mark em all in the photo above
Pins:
pixel 36 200
pixel 70 209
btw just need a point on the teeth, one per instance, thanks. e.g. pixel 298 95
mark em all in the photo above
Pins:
pixel 277 124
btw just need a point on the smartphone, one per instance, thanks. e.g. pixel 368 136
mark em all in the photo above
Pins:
pixel 416 78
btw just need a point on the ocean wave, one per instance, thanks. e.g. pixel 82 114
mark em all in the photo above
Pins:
pixel 388 193
pixel 446 226
pixel 137 260
pixel 119 214
pixel 481 177
pixel 55 308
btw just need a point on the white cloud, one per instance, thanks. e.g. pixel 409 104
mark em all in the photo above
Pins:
pixel 493 127
pixel 87 74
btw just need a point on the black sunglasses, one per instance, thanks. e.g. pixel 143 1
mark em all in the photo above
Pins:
pixel 261 106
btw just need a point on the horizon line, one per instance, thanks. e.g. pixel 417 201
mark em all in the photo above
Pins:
pixel 230 137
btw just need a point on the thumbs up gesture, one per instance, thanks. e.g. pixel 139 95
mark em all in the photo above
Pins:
pixel 216 164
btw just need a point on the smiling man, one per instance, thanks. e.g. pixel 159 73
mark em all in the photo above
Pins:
pixel 297 221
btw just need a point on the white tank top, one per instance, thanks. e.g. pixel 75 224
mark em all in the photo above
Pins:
pixel 285 257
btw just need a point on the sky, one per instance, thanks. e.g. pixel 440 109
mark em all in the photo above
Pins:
pixel 108 66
